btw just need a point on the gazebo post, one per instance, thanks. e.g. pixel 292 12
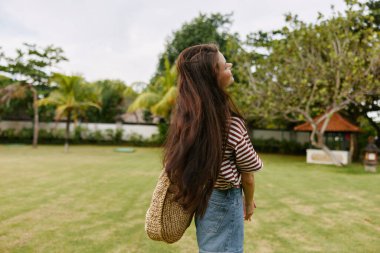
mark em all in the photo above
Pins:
pixel 352 146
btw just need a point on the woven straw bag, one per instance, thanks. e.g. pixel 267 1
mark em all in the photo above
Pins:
pixel 165 219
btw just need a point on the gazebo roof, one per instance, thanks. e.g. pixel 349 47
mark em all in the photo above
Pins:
pixel 337 124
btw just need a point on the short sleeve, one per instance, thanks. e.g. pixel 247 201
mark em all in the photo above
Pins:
pixel 247 160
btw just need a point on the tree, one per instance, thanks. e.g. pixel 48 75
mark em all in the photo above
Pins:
pixel 12 91
pixel 369 105
pixel 72 98
pixel 116 96
pixel 202 29
pixel 374 11
pixel 160 97
pixel 30 70
pixel 13 98
pixel 372 103
pixel 321 68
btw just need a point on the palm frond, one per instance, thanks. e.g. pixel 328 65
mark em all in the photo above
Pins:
pixel 144 101
pixel 60 111
pixel 12 91
pixel 164 106
pixel 73 94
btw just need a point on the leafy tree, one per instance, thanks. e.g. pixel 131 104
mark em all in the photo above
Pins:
pixel 202 29
pixel 115 96
pixel 243 56
pixel 12 91
pixel 321 68
pixel 30 70
pixel 160 97
pixel 372 102
pixel 8 91
pixel 13 99
pixel 72 98
pixel 374 11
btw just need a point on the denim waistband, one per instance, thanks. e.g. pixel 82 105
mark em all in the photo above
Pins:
pixel 229 192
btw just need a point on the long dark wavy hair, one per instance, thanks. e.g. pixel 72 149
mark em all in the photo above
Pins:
pixel 193 150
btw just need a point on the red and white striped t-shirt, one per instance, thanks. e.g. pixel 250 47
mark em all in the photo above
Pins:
pixel 239 156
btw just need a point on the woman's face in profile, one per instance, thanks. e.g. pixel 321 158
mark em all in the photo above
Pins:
pixel 225 77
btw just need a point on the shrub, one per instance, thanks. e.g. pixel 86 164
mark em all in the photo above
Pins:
pixel 275 146
pixel 44 134
pixel 118 135
pixel 163 128
pixel 78 130
pixel 8 133
pixel 109 134
pixel 80 135
pixel 136 139
pixel 57 133
pixel 25 134
pixel 96 136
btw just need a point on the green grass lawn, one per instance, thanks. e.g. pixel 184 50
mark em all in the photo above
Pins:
pixel 93 199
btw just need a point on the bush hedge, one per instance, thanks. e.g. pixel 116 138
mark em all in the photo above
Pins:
pixel 80 135
pixel 279 147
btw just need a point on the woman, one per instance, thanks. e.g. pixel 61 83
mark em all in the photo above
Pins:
pixel 208 155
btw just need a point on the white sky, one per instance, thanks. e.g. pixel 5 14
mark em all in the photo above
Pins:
pixel 122 39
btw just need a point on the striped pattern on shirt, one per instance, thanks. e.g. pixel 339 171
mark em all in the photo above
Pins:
pixel 239 156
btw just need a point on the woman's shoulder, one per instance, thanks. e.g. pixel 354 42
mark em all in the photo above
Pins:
pixel 237 123
pixel 237 119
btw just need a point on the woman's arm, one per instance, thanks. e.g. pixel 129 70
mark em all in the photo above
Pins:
pixel 247 162
pixel 248 183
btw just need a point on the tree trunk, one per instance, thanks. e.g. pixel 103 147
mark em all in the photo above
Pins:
pixel 136 117
pixel 332 156
pixel 36 120
pixel 352 146
pixel 320 144
pixel 67 135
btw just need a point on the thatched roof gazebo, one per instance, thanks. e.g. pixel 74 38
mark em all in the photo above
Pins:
pixel 340 136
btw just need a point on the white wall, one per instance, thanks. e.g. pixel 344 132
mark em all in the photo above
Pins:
pixel 146 131
pixel 320 157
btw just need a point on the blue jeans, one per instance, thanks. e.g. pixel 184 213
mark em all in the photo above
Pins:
pixel 221 229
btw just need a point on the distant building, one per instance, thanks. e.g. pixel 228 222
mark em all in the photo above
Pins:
pixel 340 135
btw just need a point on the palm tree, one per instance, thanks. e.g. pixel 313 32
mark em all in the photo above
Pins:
pixel 161 98
pixel 12 91
pixel 18 90
pixel 72 98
